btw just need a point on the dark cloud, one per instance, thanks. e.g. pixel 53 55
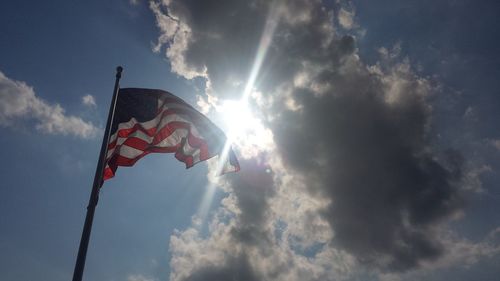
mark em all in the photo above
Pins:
pixel 230 252
pixel 223 38
pixel 253 190
pixel 374 162
pixel 237 268
pixel 356 136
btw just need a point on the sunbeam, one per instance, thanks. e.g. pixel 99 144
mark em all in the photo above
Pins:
pixel 238 116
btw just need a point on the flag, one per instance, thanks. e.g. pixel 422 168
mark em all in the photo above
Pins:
pixel 147 121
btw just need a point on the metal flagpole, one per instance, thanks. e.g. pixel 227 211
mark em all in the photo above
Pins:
pixel 94 195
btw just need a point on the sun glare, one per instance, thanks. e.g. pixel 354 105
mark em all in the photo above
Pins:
pixel 238 118
pixel 242 127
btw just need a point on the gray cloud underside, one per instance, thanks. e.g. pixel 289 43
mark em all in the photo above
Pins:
pixel 356 182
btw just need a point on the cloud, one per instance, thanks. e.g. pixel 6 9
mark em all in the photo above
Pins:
pixel 134 2
pixel 353 184
pixel 19 103
pixel 495 144
pixel 460 252
pixel 244 243
pixel 89 100
pixel 471 114
pixel 368 153
pixel 472 178
pixel 138 277
pixel 466 253
pixel 346 18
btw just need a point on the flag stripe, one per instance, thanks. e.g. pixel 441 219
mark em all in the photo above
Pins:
pixel 125 129
pixel 174 134
pixel 129 129
pixel 170 126
pixel 149 127
pixel 165 137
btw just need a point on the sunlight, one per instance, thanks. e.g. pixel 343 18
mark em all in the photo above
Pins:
pixel 265 42
pixel 205 203
pixel 238 118
pixel 244 130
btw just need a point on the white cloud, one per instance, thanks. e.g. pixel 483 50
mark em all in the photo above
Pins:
pixel 19 103
pixel 89 100
pixel 472 179
pixel 177 35
pixel 346 19
pixel 139 277
pixel 245 243
pixel 463 252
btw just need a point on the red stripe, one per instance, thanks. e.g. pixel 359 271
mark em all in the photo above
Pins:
pixel 158 136
pixel 124 133
pixel 108 173
pixel 162 134
pixel 193 141
pixel 118 160
pixel 188 159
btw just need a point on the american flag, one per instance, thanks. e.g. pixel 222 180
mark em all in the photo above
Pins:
pixel 148 120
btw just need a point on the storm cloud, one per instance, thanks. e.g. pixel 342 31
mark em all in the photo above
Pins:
pixel 372 159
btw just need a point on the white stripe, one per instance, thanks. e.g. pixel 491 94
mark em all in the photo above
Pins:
pixel 174 139
pixel 129 152
pixel 139 134
pixel 158 122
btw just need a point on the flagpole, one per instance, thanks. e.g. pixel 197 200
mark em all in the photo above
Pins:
pixel 94 195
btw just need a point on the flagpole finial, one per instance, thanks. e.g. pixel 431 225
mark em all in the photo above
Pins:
pixel 119 70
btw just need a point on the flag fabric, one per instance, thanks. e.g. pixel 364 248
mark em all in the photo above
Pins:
pixel 148 120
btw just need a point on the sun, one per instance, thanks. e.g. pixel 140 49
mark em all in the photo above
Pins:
pixel 237 118
pixel 243 128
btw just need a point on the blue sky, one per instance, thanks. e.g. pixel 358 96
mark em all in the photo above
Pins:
pixel 366 118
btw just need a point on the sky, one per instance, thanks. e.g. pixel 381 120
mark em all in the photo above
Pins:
pixel 367 133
